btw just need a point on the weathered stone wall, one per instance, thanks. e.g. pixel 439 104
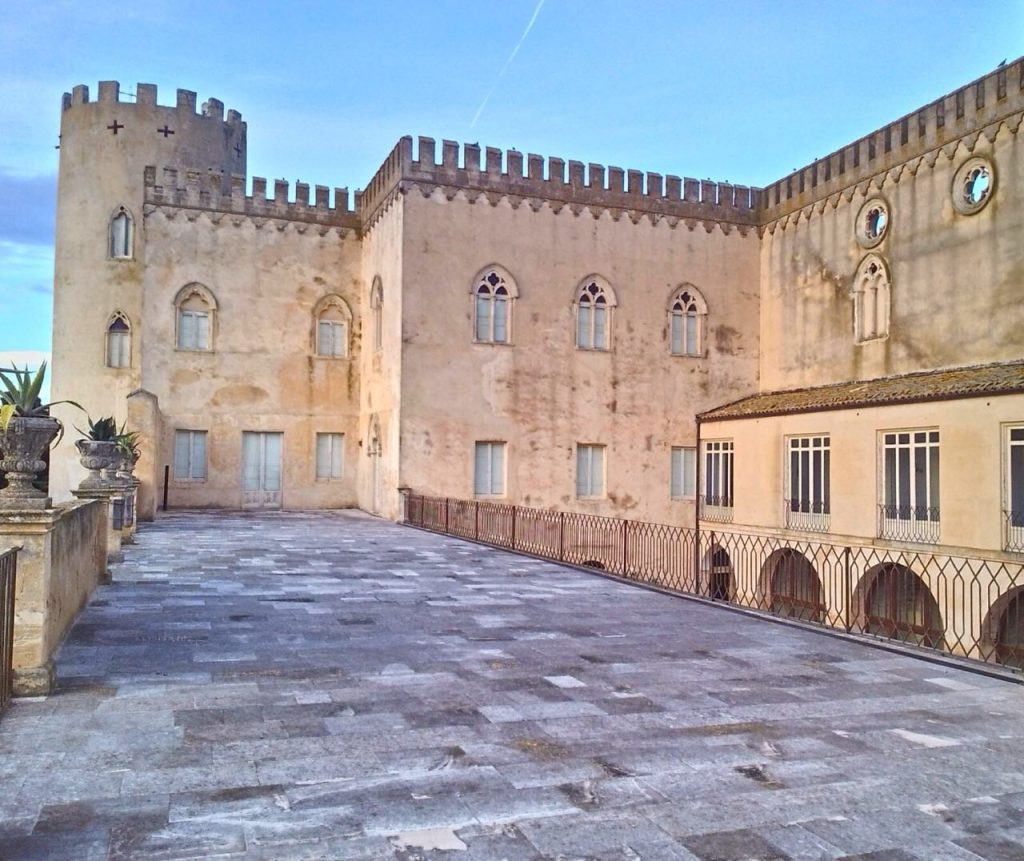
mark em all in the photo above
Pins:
pixel 542 395
pixel 955 278
pixel 383 263
pixel 63 558
pixel 262 373
pixel 105 146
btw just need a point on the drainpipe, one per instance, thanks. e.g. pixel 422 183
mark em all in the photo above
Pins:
pixel 696 511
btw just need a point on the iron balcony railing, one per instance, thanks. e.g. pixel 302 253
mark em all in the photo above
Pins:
pixel 8 576
pixel 1013 531
pixel 967 606
pixel 716 508
pixel 807 516
pixel 913 523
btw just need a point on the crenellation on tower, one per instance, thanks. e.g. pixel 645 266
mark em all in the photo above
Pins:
pixel 186 102
pixel 213 108
pixel 109 91
pixel 146 94
pixel 212 191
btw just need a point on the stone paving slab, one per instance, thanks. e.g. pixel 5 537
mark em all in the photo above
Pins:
pixel 332 686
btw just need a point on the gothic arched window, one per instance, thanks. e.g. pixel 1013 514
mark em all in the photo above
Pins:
pixel 119 341
pixel 196 318
pixel 594 302
pixel 333 322
pixel 494 291
pixel 121 235
pixel 687 315
pixel 871 298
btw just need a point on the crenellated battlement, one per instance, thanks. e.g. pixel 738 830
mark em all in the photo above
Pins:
pixel 533 176
pixel 215 192
pixel 110 92
pixel 972 108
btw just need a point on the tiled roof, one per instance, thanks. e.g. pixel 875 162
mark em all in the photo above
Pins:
pixel 976 381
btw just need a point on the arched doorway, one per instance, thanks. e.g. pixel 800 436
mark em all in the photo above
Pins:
pixel 794 590
pixel 899 605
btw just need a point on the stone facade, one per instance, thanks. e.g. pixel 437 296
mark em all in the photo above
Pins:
pixel 862 265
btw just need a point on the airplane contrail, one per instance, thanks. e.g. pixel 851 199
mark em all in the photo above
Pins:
pixel 508 62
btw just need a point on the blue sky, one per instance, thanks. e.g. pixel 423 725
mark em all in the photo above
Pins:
pixel 740 91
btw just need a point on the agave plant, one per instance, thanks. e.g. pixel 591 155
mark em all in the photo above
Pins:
pixel 128 441
pixel 102 430
pixel 19 397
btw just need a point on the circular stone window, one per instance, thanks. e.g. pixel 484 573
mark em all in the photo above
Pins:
pixel 872 222
pixel 973 185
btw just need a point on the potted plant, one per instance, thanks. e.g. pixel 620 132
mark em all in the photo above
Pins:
pixel 26 431
pixel 98 448
pixel 128 452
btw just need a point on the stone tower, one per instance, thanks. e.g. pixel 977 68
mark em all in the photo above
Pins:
pixel 105 145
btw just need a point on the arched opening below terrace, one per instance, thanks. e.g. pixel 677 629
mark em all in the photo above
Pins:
pixel 896 603
pixel 793 588
pixel 1003 631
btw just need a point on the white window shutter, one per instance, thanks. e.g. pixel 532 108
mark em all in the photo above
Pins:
pixel 583 470
pixel 483 318
pixel 498 468
pixel 181 454
pixel 202 331
pixel 689 472
pixel 198 454
pixel 337 453
pixel 677 333
pixel 481 470
pixel 676 473
pixel 597 471
pixel 186 330
pixel 500 320
pixel 323 454
pixel 600 328
pixel 324 347
pixel 583 313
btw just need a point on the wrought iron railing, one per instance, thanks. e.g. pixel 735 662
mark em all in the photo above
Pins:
pixel 1013 532
pixel 914 523
pixel 967 606
pixel 716 508
pixel 807 516
pixel 8 576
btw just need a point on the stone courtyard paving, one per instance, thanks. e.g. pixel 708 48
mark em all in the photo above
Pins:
pixel 297 685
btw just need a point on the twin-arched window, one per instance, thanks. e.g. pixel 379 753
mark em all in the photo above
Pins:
pixel 871 297
pixel 333 323
pixel 687 313
pixel 594 302
pixel 120 244
pixel 494 292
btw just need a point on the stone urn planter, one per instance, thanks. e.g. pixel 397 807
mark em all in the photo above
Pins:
pixel 97 456
pixel 126 465
pixel 23 444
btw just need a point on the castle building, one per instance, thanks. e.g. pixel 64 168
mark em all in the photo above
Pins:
pixel 839 353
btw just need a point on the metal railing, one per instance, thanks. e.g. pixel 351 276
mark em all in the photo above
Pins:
pixel 717 508
pixel 966 606
pixel 807 516
pixel 1013 532
pixel 914 523
pixel 8 577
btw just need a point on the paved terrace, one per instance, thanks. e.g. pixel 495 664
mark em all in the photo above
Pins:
pixel 302 686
